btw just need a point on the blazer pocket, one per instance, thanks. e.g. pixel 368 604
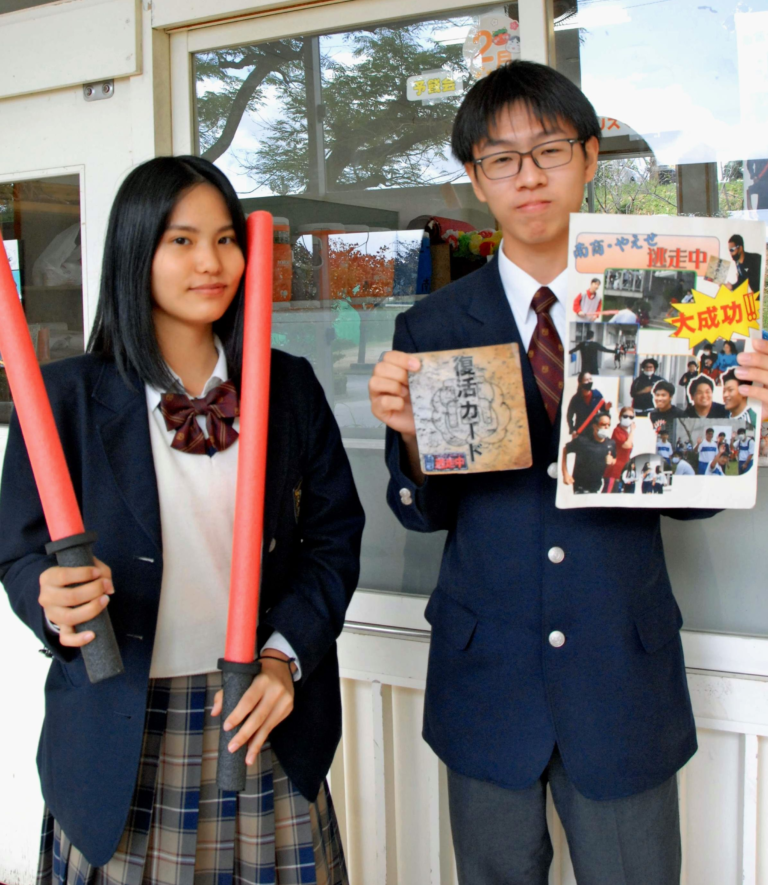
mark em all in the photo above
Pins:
pixel 660 625
pixel 451 621
pixel 72 673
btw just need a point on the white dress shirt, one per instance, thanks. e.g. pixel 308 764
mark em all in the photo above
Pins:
pixel 520 287
pixel 197 510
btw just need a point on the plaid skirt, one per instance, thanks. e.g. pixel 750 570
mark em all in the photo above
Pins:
pixel 183 830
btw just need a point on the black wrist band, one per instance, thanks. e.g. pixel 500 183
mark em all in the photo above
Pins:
pixel 288 661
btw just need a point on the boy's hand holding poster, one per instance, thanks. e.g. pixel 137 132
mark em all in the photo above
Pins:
pixel 469 410
pixel 658 310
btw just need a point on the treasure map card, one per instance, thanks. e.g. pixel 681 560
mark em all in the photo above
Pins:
pixel 658 310
pixel 469 407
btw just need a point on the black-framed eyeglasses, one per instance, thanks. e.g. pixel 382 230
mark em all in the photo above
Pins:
pixel 548 155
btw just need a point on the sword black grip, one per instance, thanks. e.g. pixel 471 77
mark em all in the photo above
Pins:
pixel 237 679
pixel 101 655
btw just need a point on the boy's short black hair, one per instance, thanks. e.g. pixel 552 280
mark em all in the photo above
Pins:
pixel 730 375
pixel 550 96
pixel 698 381
pixel 737 240
pixel 664 385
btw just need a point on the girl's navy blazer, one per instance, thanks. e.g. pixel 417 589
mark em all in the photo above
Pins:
pixel 91 740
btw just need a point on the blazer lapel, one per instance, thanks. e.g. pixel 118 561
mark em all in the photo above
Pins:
pixel 125 437
pixel 278 446
pixel 490 307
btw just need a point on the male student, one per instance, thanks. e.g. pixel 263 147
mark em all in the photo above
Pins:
pixel 515 581
pixel 589 350
pixel 587 305
pixel 707 449
pixel 736 404
pixel 594 450
pixel 538 673
pixel 747 264
pixel 664 412
pixel 702 405
pixel 687 377
pixel 744 447
pixel 641 390
pixel 681 466
pixel 585 404
pixel 717 465
pixel 664 447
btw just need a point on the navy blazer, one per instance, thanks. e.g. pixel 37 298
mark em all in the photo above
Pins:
pixel 614 698
pixel 92 735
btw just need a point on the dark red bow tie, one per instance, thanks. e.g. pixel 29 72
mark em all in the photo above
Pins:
pixel 220 408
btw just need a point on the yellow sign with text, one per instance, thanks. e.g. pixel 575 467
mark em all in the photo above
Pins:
pixel 707 318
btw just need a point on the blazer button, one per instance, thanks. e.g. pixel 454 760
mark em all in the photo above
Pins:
pixel 556 554
pixel 557 639
pixel 405 497
pixel 272 545
pixel 552 471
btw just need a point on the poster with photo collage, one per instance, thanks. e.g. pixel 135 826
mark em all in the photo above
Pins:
pixel 659 307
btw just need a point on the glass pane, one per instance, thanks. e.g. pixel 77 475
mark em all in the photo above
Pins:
pixel 344 138
pixel 684 114
pixel 684 120
pixel 40 224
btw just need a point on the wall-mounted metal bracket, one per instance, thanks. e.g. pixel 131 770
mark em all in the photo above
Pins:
pixel 98 91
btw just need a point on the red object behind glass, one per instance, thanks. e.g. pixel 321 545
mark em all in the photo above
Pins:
pixel 62 513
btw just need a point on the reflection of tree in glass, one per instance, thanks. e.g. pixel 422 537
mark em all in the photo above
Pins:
pixel 227 95
pixel 373 135
pixel 6 203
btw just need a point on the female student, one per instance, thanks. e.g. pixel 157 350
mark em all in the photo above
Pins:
pixel 648 479
pixel 726 359
pixel 629 479
pixel 148 421
pixel 624 437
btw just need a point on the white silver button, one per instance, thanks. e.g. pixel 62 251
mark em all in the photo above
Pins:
pixel 556 554
pixel 557 639
pixel 552 471
pixel 406 497
pixel 272 544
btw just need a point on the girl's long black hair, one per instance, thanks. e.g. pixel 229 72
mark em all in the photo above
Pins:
pixel 123 329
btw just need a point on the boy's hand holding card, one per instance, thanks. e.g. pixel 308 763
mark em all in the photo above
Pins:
pixel 469 410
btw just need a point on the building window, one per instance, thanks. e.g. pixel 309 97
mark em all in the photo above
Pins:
pixel 344 138
pixel 40 225
pixel 683 112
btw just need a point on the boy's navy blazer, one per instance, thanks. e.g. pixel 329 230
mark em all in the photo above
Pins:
pixel 91 740
pixel 499 696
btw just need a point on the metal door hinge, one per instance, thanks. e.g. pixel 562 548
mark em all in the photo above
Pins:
pixel 98 91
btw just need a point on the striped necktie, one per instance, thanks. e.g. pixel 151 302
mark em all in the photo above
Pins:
pixel 546 352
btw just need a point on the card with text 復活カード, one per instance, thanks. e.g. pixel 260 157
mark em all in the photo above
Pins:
pixel 658 309
pixel 469 409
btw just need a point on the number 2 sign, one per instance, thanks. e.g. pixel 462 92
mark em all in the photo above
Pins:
pixel 494 41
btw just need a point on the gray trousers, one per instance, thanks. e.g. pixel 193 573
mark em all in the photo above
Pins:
pixel 500 836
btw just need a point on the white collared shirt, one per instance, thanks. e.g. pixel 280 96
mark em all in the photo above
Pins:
pixel 520 287
pixel 197 510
